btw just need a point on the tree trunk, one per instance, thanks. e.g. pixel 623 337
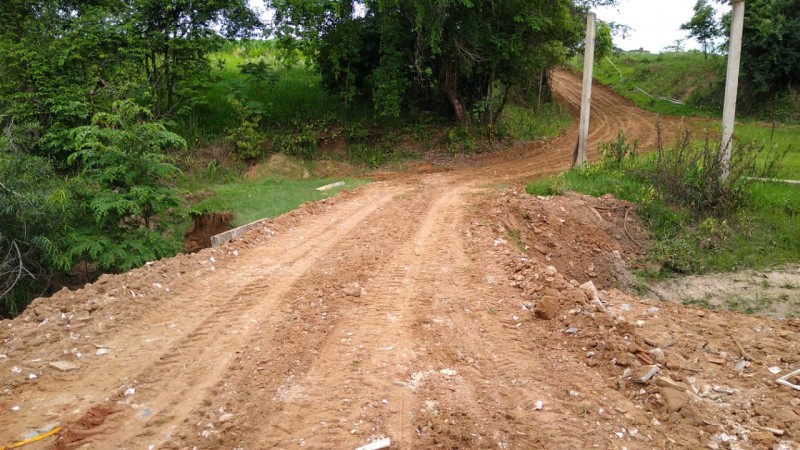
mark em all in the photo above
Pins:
pixel 455 99
pixel 539 94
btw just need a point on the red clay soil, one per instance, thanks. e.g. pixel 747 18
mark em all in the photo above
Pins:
pixel 409 310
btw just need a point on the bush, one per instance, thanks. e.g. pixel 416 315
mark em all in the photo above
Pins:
pixel 248 139
pixel 123 189
pixel 36 207
pixel 692 176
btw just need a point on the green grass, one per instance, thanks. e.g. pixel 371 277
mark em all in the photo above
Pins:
pixel 519 123
pixel 689 77
pixel 251 200
pixel 778 136
pixel 763 232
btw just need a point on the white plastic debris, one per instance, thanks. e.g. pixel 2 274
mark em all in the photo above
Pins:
pixel 538 405
pixel 774 370
pixel 16 369
pixel 32 376
pixel 377 444
pixel 448 372
pixel 129 392
pixel 101 351
pixel 15 408
pixel 236 253
pixel 212 259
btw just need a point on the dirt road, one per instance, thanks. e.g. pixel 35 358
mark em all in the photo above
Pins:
pixel 401 311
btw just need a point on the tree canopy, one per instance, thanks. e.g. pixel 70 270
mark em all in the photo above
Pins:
pixel 466 54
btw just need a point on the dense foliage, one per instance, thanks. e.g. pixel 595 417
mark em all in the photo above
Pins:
pixel 462 55
pixel 770 57
pixel 84 177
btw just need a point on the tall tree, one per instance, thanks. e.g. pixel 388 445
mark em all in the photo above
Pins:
pixel 703 26
pixel 466 54
pixel 173 37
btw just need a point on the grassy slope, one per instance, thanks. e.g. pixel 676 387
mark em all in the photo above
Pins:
pixel 689 77
pixel 697 81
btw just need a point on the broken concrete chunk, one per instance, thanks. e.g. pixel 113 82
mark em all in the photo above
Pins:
pixel 648 375
pixel 64 366
pixel 378 444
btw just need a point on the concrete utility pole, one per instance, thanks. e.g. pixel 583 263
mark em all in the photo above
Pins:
pixel 731 87
pixel 586 96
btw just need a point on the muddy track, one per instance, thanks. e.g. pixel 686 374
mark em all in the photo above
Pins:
pixel 382 312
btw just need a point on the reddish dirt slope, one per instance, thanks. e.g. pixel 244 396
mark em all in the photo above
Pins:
pixel 401 310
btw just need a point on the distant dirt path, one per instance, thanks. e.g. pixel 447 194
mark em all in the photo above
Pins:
pixel 382 312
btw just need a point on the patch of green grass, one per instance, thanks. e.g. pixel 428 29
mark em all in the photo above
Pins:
pixel 762 231
pixel 251 200
pixel 775 136
pixel 695 80
pixel 701 302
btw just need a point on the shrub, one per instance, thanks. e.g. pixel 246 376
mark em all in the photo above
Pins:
pixel 35 211
pixel 248 139
pixel 690 175
pixel 124 189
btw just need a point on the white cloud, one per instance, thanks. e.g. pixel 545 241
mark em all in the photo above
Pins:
pixel 654 24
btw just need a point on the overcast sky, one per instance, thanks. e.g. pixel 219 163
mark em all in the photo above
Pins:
pixel 654 24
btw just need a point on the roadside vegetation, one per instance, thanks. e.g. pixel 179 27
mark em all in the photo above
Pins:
pixel 698 224
pixel 250 200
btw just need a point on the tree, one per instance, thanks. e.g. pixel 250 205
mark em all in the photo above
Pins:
pixel 703 26
pixel 172 39
pixel 466 55
pixel 125 192
pixel 770 54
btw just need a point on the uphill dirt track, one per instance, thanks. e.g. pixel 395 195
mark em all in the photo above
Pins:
pixel 402 310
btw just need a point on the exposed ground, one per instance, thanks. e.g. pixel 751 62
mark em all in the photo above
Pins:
pixel 773 293
pixel 408 309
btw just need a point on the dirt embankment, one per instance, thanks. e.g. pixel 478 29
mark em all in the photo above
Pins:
pixel 411 310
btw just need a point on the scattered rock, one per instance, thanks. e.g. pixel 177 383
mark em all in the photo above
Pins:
pixel 589 290
pixel 546 308
pixel 353 290
pixel 225 417
pixel 64 366
pixel 674 400
pixel 448 372
pixel 378 444
pixel 645 377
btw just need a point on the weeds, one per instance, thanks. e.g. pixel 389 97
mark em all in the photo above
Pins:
pixel 697 222
pixel 691 175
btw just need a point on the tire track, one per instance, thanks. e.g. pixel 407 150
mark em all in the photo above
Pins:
pixel 169 385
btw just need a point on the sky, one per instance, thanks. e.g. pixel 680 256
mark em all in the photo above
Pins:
pixel 654 24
